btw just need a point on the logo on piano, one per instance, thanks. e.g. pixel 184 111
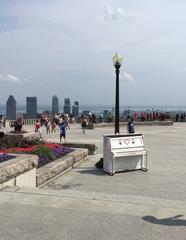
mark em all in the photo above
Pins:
pixel 127 141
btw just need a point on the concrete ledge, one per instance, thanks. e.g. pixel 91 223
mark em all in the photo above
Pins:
pixel 150 123
pixel 16 166
pixel 21 134
pixel 91 147
pixel 90 126
pixel 55 168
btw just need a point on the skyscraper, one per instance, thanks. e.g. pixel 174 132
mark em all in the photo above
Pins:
pixel 55 105
pixel 11 108
pixel 75 109
pixel 31 107
pixel 67 105
pixel 76 103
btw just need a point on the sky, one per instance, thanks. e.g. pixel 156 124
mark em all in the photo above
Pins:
pixel 65 48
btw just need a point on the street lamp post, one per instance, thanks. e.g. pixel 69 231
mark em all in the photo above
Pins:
pixel 117 61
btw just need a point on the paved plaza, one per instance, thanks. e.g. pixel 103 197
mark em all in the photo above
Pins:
pixel 86 203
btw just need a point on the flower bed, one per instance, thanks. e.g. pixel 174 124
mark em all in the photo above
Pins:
pixel 5 156
pixel 46 152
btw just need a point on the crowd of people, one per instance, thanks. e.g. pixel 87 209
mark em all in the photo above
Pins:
pixel 150 116
pixel 60 121
pixel 137 116
pixel 181 117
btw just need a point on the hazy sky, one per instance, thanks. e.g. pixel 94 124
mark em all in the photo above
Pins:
pixel 65 47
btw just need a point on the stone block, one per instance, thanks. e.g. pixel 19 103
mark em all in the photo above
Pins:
pixel 9 183
pixel 27 179
pixel 16 166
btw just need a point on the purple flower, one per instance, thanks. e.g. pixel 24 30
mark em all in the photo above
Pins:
pixel 5 157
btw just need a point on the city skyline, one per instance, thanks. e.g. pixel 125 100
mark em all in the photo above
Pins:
pixel 66 48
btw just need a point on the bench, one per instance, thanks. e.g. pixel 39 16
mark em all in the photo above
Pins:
pixel 123 153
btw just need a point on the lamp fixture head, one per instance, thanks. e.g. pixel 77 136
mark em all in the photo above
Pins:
pixel 117 60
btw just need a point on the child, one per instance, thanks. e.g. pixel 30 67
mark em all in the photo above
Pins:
pixel 38 128
pixel 62 128
pixel 53 126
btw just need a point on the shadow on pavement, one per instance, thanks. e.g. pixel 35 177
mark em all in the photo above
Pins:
pixel 93 172
pixel 55 186
pixel 171 221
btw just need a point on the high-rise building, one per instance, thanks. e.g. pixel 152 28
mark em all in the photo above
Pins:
pixel 55 105
pixel 31 107
pixel 67 105
pixel 11 108
pixel 75 109
pixel 76 103
pixel 105 114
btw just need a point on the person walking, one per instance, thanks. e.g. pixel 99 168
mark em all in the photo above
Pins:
pixel 62 128
pixel 83 124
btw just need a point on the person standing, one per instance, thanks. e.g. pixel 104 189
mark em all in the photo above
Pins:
pixel 130 126
pixel 53 126
pixel 48 126
pixel 1 122
pixel 62 128
pixel 38 128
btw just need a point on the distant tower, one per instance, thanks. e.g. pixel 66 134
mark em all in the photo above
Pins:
pixel 67 105
pixel 75 109
pixel 55 105
pixel 31 107
pixel 11 108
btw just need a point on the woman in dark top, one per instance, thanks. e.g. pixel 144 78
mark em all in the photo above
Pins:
pixel 130 126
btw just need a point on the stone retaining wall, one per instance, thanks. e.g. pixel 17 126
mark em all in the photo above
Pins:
pixel 21 171
pixel 11 169
pixel 53 169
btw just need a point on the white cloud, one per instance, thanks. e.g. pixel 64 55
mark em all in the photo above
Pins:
pixel 11 78
pixel 127 77
pixel 113 13
pixel 120 11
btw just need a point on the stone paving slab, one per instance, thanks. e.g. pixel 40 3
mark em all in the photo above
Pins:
pixel 47 214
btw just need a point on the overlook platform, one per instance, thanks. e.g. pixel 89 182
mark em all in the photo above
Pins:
pixel 86 203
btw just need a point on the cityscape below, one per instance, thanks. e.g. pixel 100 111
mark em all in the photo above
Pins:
pixel 33 110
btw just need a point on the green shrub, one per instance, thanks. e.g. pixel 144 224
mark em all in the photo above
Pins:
pixel 44 151
pixel 18 141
